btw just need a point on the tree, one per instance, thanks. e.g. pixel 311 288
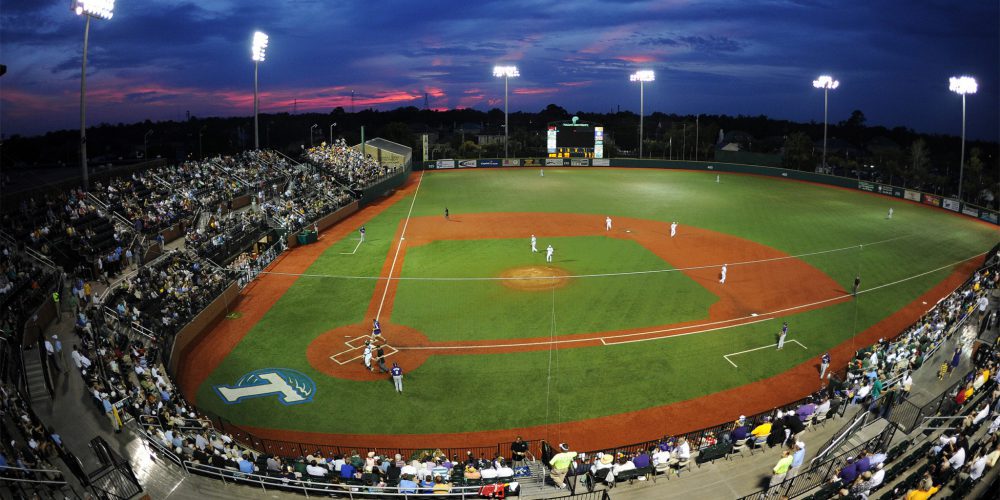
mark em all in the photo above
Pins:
pixel 972 181
pixel 469 149
pixel 798 152
pixel 917 164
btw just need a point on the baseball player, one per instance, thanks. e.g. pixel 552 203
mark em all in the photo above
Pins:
pixel 368 355
pixel 723 278
pixel 824 363
pixel 782 335
pixel 541 173
pixel 534 242
pixel 397 376
pixel 445 213
pixel 857 284
pixel 717 179
pixel 362 231
pixel 673 229
pixel 376 328
pixel 548 253
pixel 890 214
pixel 607 224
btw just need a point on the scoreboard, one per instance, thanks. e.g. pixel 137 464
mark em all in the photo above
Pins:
pixel 574 139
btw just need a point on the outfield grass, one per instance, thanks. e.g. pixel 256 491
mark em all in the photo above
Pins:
pixel 793 217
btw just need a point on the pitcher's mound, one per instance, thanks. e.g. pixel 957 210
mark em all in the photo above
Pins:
pixel 535 278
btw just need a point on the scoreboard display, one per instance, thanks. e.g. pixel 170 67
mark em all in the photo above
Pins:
pixel 574 139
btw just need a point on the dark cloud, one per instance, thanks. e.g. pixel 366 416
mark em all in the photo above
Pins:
pixel 157 57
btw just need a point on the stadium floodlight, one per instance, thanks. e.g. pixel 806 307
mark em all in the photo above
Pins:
pixel 642 77
pixel 962 85
pixel 257 48
pixel 827 83
pixel 505 72
pixel 101 9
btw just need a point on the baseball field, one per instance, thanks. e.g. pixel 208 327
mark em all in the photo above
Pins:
pixel 627 334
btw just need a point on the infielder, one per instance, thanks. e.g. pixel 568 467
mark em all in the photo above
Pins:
pixel 782 335
pixel 362 231
pixel 541 173
pixel 397 377
pixel 548 253
pixel 673 229
pixel 723 278
pixel 607 224
pixel 534 242
pixel 368 355
pixel 890 214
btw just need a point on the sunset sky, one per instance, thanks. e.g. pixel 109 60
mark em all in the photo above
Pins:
pixel 158 59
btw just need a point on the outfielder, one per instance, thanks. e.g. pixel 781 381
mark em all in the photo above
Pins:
pixel 534 242
pixel 673 229
pixel 723 278
pixel 548 253
pixel 607 224
pixel 890 214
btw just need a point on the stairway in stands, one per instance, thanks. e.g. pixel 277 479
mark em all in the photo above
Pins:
pixel 534 486
pixel 35 377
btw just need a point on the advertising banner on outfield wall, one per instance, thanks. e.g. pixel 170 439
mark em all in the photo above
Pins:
pixel 512 163
pixel 489 163
pixel 866 186
pixel 930 199
pixel 882 188
pixel 579 162
pixel 988 216
pixel 532 162
pixel 911 195
pixel 601 162
pixel 446 164
pixel 553 162
pixel 969 210
pixel 467 164
pixel 950 204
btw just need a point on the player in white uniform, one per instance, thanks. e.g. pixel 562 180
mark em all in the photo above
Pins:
pixel 548 253
pixel 673 229
pixel 368 355
pixel 723 278
pixel 717 179
pixel 607 224
pixel 890 213
pixel 534 241
pixel 781 335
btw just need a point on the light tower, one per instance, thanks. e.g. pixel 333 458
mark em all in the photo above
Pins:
pixel 257 50
pixel 962 85
pixel 505 72
pixel 826 83
pixel 642 77
pixel 101 9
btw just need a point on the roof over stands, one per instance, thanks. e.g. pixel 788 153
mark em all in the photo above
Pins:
pixel 387 152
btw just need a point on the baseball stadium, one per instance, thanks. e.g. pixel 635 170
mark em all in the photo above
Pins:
pixel 464 300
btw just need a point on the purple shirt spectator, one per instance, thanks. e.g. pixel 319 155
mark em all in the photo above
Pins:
pixel 641 460
pixel 805 411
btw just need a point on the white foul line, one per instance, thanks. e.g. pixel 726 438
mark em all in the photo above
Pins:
pixel 771 346
pixel 355 248
pixel 402 237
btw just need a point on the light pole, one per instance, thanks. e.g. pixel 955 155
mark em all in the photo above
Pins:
pixel 200 133
pixel 641 77
pixel 826 83
pixel 311 134
pixel 145 145
pixel 507 72
pixel 334 124
pixel 257 49
pixel 962 85
pixel 101 9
